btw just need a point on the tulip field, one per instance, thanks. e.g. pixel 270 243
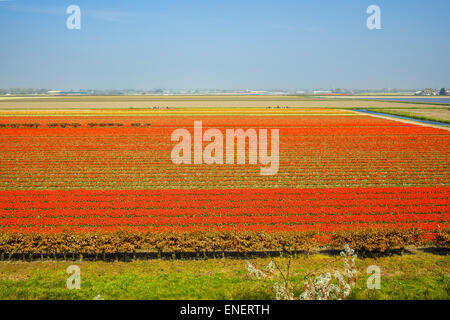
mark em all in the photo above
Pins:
pixel 71 172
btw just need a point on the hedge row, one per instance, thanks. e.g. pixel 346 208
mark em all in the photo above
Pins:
pixel 131 242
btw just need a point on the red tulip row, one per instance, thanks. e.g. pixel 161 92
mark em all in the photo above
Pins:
pixel 224 204
pixel 246 208
pixel 218 220
pixel 212 121
pixel 284 193
pixel 425 226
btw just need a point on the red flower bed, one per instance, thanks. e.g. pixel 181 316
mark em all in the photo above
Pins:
pixel 248 209
pixel 80 174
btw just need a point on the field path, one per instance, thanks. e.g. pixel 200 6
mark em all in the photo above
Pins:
pixel 404 120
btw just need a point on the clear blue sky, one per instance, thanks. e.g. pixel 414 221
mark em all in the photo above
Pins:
pixel 227 44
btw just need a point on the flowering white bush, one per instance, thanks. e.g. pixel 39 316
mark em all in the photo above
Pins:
pixel 336 287
pixel 283 291
pixel 258 274
pixel 324 287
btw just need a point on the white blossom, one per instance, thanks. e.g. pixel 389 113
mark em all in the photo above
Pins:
pixel 255 272
pixel 323 287
pixel 282 292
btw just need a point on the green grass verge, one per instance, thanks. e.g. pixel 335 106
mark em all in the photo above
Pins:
pixel 409 115
pixel 418 276
pixel 410 102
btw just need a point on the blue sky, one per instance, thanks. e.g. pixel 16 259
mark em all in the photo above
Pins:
pixel 227 44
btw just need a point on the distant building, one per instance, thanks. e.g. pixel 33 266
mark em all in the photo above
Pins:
pixel 76 93
pixel 257 92
pixel 426 92
pixel 70 93
pixel 322 92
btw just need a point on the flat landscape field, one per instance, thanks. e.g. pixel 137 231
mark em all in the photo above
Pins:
pixel 436 114
pixel 195 101
pixel 90 178
pixel 88 172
